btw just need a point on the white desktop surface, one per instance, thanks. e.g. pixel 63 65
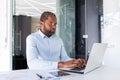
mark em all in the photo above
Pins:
pixel 102 73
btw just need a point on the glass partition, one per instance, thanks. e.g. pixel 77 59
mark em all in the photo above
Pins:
pixel 66 24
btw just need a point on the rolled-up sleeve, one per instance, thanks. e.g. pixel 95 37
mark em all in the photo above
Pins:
pixel 64 56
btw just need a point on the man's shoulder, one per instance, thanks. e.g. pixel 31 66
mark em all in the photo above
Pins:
pixel 35 34
pixel 57 38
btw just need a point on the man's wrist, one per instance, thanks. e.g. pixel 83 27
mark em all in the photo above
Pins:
pixel 60 64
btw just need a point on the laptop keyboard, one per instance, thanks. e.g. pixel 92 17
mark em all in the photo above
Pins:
pixel 78 69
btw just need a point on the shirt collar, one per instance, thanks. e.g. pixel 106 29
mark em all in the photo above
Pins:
pixel 44 36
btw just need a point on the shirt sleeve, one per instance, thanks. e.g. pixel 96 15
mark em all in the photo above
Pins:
pixel 64 56
pixel 34 61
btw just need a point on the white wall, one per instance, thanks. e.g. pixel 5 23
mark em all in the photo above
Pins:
pixel 111 31
pixel 35 24
pixel 5 35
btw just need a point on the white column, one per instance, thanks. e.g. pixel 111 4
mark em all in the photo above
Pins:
pixel 5 35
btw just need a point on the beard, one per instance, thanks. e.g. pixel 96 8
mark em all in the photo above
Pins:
pixel 48 32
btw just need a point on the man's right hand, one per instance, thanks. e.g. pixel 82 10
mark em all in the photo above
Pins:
pixel 67 64
pixel 73 63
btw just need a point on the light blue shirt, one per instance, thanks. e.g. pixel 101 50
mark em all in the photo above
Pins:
pixel 44 52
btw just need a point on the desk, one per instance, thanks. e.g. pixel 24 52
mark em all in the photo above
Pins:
pixel 103 73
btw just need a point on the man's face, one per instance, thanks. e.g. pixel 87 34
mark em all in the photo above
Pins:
pixel 49 26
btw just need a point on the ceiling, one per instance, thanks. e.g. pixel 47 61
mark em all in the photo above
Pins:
pixel 33 8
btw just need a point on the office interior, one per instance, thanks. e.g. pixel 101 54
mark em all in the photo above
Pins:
pixel 80 23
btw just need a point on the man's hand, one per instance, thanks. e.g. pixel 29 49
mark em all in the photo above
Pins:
pixel 67 64
pixel 80 62
pixel 73 63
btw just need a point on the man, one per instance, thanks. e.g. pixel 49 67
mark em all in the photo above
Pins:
pixel 45 50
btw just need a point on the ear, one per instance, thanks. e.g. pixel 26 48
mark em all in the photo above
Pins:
pixel 41 23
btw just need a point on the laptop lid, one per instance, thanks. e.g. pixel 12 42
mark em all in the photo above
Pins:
pixel 95 58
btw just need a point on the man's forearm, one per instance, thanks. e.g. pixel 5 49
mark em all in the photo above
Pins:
pixel 60 64
pixel 67 64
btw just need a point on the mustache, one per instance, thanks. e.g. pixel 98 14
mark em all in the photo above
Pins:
pixel 51 32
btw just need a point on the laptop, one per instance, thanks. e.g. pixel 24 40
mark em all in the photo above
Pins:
pixel 94 61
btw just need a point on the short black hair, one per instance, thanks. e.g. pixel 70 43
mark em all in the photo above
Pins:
pixel 45 15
